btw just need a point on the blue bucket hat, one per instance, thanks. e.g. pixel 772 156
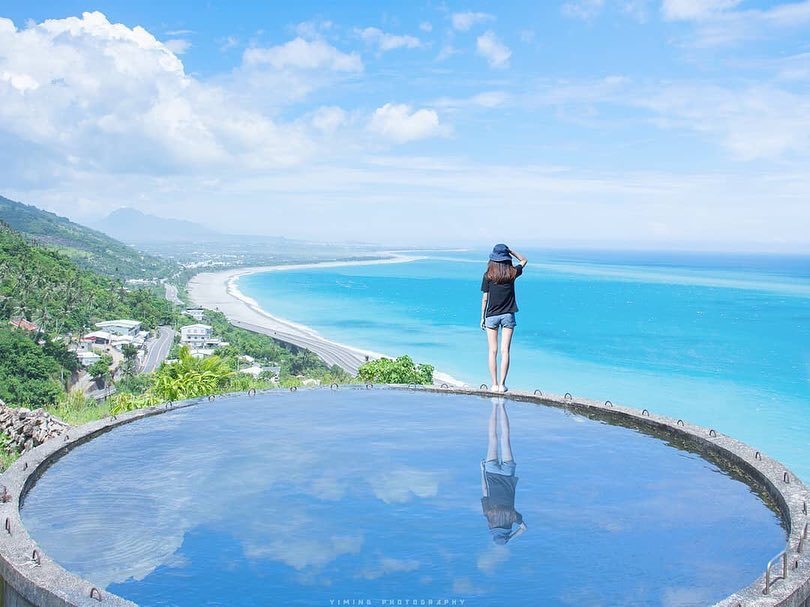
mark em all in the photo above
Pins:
pixel 500 252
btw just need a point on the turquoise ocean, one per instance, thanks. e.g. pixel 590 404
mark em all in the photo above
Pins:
pixel 719 340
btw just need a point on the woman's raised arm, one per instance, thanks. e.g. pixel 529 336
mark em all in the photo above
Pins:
pixel 521 259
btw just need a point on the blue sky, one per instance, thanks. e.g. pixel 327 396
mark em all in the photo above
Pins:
pixel 619 123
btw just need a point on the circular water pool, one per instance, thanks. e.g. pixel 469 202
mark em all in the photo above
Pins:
pixel 375 497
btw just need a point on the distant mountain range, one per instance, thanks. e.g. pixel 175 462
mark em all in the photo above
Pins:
pixel 88 248
pixel 131 225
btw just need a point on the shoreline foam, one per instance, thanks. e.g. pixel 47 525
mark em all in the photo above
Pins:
pixel 220 291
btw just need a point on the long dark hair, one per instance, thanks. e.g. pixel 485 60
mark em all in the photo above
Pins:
pixel 502 516
pixel 501 272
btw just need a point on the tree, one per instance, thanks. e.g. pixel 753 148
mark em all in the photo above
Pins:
pixel 100 370
pixel 129 366
pixel 28 376
pixel 402 370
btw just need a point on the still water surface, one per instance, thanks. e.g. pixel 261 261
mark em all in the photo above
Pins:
pixel 309 497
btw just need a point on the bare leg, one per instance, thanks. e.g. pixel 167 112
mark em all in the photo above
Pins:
pixel 506 344
pixel 492 445
pixel 492 341
pixel 506 445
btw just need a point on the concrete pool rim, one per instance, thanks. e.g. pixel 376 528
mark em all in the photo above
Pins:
pixel 33 578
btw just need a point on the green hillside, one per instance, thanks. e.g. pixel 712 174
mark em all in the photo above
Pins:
pixel 88 248
pixel 41 285
pixel 46 287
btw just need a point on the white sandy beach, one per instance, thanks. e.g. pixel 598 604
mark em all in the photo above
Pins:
pixel 219 291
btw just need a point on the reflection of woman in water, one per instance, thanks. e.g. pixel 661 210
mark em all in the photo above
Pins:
pixel 498 480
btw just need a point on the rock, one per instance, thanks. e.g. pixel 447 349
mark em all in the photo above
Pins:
pixel 27 429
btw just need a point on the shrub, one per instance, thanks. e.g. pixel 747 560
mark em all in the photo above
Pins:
pixel 402 370
pixel 125 401
pixel 190 377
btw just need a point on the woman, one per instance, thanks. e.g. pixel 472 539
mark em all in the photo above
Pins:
pixel 498 307
pixel 498 480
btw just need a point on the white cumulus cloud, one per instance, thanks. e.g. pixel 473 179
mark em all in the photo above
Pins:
pixel 104 96
pixel 464 21
pixel 178 45
pixel 329 118
pixel 400 123
pixel 388 42
pixel 682 10
pixel 493 50
pixel 304 55
pixel 583 9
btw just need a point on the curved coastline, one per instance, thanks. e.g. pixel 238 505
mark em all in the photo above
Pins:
pixel 220 291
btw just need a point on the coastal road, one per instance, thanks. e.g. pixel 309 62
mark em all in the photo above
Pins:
pixel 331 354
pixel 218 291
pixel 171 294
pixel 158 349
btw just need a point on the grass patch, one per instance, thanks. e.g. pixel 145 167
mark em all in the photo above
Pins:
pixel 6 458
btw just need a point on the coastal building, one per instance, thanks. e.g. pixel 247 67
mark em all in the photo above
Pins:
pixel 199 336
pixel 120 327
pixel 25 325
pixel 87 358
pixel 101 338
pixel 195 313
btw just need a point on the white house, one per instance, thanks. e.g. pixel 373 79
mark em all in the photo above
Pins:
pixel 120 327
pixel 87 358
pixel 199 337
pixel 195 313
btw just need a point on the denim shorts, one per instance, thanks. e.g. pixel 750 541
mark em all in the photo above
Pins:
pixel 493 466
pixel 501 320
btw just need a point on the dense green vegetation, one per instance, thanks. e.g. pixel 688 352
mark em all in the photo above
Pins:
pixel 87 248
pixel 31 375
pixel 45 287
pixel 402 370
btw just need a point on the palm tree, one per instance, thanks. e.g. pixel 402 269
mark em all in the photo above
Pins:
pixel 190 377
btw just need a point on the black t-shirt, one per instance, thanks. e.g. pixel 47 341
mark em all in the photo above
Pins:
pixel 501 298
pixel 501 492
